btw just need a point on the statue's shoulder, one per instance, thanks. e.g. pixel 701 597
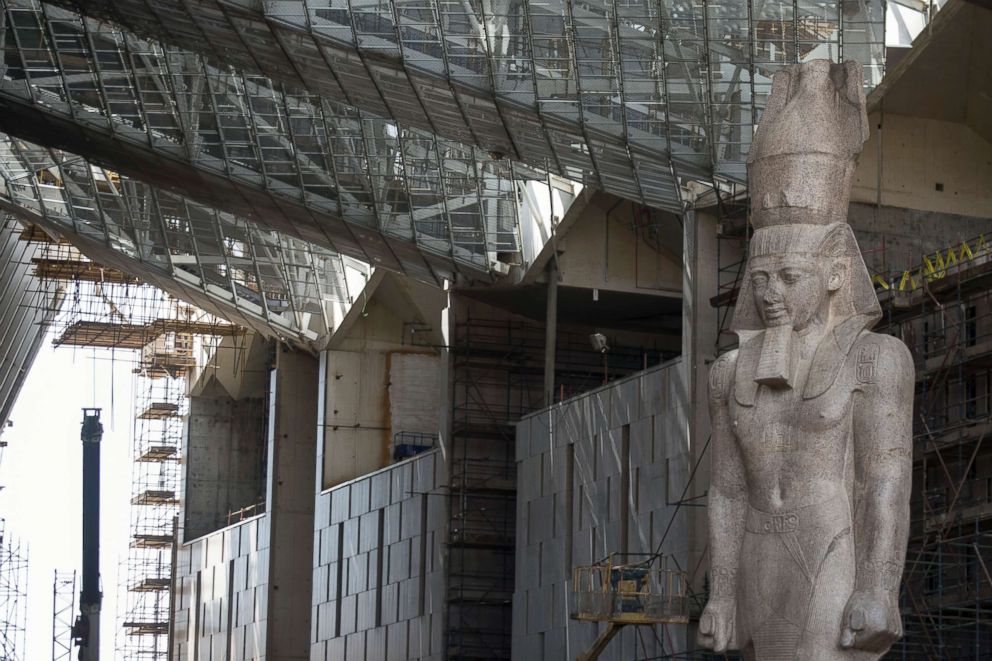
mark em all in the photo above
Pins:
pixel 881 359
pixel 722 375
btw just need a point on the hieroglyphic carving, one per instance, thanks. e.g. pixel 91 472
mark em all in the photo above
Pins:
pixel 806 553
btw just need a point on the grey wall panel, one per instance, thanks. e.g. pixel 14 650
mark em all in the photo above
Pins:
pixel 385 594
pixel 583 492
pixel 222 578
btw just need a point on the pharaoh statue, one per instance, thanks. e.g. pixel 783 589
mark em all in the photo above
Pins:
pixel 812 415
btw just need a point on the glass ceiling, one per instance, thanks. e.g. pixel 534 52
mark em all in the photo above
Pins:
pixel 621 95
pixel 259 278
pixel 395 132
pixel 313 168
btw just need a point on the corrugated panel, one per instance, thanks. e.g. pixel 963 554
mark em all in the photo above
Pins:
pixel 414 383
pixel 384 583
pixel 570 499
pixel 27 307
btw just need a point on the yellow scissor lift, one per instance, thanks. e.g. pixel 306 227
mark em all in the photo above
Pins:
pixel 622 590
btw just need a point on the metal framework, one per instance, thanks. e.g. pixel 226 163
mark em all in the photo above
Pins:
pixel 63 614
pixel 305 165
pixel 165 338
pixel 13 596
pixel 275 284
pixel 622 95
pixel 160 407
pixel 28 307
pixel 498 365
pixel 946 320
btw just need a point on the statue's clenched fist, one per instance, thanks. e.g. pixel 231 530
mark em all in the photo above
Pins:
pixel 871 621
pixel 717 626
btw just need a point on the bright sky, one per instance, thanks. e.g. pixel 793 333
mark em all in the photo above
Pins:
pixel 41 472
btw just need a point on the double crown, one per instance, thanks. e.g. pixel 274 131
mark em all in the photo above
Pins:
pixel 802 159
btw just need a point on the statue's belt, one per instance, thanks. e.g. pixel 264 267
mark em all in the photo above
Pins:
pixel 829 514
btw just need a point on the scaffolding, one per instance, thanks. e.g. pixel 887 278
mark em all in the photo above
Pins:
pixel 944 315
pixel 63 614
pixel 163 339
pixel 733 235
pixel 160 407
pixel 13 596
pixel 491 391
pixel 498 369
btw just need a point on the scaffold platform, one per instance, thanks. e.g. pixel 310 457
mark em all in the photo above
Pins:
pixel 147 628
pixel 152 584
pixel 115 335
pixel 151 541
pixel 155 497
pixel 159 411
pixel 159 453
pixel 80 270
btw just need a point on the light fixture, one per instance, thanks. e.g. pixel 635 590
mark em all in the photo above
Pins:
pixel 599 343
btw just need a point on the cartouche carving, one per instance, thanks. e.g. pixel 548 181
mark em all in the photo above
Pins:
pixel 812 415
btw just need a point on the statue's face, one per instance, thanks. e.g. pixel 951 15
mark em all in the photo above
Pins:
pixel 789 289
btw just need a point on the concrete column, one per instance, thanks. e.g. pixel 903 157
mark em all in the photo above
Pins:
pixel 291 476
pixel 322 368
pixel 550 333
pixel 700 326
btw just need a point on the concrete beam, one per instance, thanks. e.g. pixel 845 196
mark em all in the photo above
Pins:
pixel 700 327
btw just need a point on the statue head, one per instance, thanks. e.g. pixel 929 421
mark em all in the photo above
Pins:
pixel 804 264
pixel 800 274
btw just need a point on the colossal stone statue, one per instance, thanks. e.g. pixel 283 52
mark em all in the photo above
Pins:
pixel 812 415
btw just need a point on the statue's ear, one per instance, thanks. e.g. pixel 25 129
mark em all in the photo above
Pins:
pixel 835 247
pixel 838 274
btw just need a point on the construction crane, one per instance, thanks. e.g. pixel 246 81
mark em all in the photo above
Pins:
pixel 86 630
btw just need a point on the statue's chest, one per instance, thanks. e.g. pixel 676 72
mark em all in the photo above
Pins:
pixel 782 421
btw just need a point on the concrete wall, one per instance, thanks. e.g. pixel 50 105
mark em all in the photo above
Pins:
pixel 917 154
pixel 893 239
pixel 364 407
pixel 243 592
pixel 622 247
pixel 378 581
pixel 223 458
pixel 356 433
pixel 357 425
pixel 573 462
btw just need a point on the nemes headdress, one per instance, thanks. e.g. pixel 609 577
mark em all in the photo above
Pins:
pixel 800 170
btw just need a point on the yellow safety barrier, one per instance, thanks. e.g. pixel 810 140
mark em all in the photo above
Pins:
pixel 936 266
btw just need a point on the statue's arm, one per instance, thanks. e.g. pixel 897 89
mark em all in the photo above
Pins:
pixel 727 508
pixel 883 456
pixel 728 490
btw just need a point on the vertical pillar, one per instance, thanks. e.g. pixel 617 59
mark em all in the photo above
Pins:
pixel 323 365
pixel 446 400
pixel 550 333
pixel 86 631
pixel 700 328
pixel 446 397
pixel 291 475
